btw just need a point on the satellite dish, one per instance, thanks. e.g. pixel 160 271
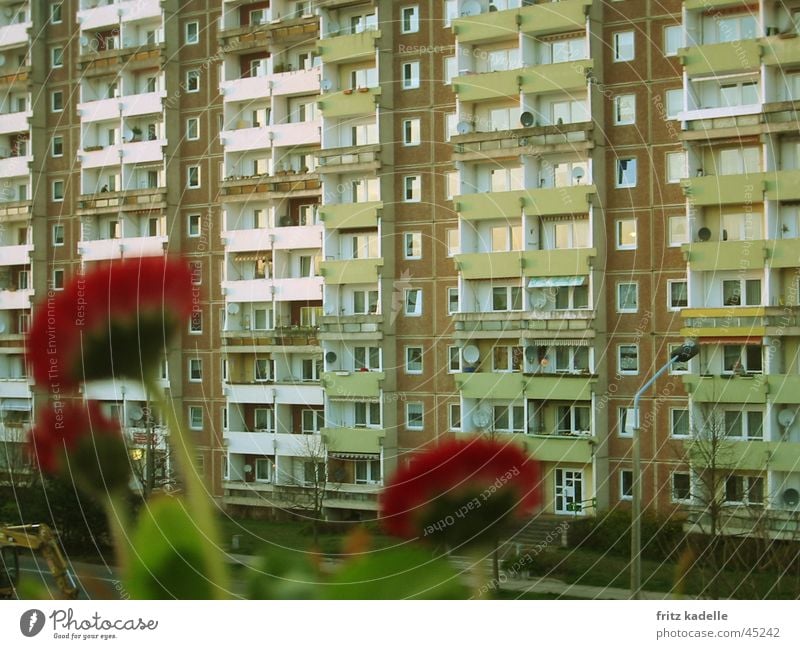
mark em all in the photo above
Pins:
pixel 84 40
pixel 326 84
pixel 233 309
pixel 471 354
pixel 333 27
pixel 530 354
pixel 786 417
pixel 463 128
pixel 538 299
pixel 704 234
pixel 2 327
pixel 791 497
pixel 330 357
pixel 472 8
pixel 135 413
pixel 2 59
pixel 526 119
pixel 482 417
pixel 578 173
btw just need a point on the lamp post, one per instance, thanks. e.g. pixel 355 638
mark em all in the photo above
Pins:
pixel 685 352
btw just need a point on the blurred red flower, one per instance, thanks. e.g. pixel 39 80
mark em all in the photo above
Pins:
pixel 78 435
pixel 114 321
pixel 461 490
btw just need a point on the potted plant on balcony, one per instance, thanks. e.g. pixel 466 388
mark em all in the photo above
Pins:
pixel 136 133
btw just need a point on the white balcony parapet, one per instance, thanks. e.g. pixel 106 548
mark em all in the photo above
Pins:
pixel 265 290
pixel 15 122
pixel 105 157
pixel 303 394
pixel 16 34
pixel 284 238
pixel 15 255
pixel 146 103
pixel 99 110
pixel 147 151
pixel 100 249
pixel 269 443
pixel 117 390
pixel 16 166
pixel 15 389
pixel 20 299
pixel 245 89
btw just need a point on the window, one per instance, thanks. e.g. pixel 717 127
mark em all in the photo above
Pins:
pixel 194 225
pixel 738 226
pixel 365 302
pixel 365 246
pixel 410 75
pixel 626 484
pixel 262 419
pixel 414 416
pixel 58 190
pixel 412 248
pixel 627 297
pixel 678 230
pixel 193 177
pixel 623 46
pixel 313 421
pixel 195 370
pixel 509 419
pixel 627 421
pixel 56 101
pixel 626 234
pixel 57 146
pixel 263 468
pixel 744 424
pixel 681 488
pixel 450 12
pixel 679 422
pixel 567 234
pixel 735 28
pixel 505 238
pixel 367 358
pixel 742 359
pixel 571 297
pixel 195 417
pixel 261 369
pixel 413 302
pixel 192 33
pixel 624 109
pixel 312 369
pixel 506 298
pixel 367 415
pixel 197 272
pixel 193 81
pixel 569 112
pixel 193 128
pixel 741 160
pixel 411 131
pixel 507 358
pixel 452 300
pixel 413 360
pixel 412 189
pixel 450 69
pixel 452 242
pixel 628 359
pixel 454 410
pixel 572 359
pixel 453 359
pixel 744 490
pixel 224 373
pixel 734 290
pixel 58 279
pixel 196 322
pixel 677 294
pixel 626 172
pixel 673 39
pixel 55 13
pixel 739 94
pixel 58 235
pixel 677 367
pixel 674 102
pixel 676 166
pixel 57 57
pixel 409 17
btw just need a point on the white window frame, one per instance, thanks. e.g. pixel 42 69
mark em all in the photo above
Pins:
pixel 53 153
pixel 451 367
pixel 620 308
pixel 627 372
pixel 196 316
pixel 408 189
pixel 411 80
pixel 450 418
pixel 516 419
pixel 672 29
pixel 53 95
pixel 56 13
pixel 57 279
pixel 54 197
pixel 192 220
pixel 192 410
pixel 452 251
pixel 195 370
pixel 57 57
pixel 671 242
pixel 668 168
pixel 193 80
pixel 411 13
pixel 193 122
pixel 189 184
pixel 415 241
pixel 421 425
pixel 619 181
pixel 620 245
pixel 410 137
pixel 673 416
pixel 260 462
pixel 673 497
pixel 408 352
pixel 59 227
pixel 667 94
pixel 618 99
pixel 452 290
pixel 187 40
pixel 417 306
pixel 622 474
pixel 677 367
pixel 670 284
pixel 625 422
pixel 619 56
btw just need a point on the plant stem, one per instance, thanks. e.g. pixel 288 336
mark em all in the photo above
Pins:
pixel 197 499
pixel 118 524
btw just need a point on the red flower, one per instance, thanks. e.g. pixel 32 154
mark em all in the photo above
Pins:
pixel 114 321
pixel 77 440
pixel 461 490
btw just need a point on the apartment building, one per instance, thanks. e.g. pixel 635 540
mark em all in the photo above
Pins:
pixel 412 220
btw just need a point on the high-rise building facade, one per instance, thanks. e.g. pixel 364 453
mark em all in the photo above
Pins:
pixel 413 220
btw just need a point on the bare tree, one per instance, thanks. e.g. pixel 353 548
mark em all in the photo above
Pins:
pixel 16 469
pixel 315 452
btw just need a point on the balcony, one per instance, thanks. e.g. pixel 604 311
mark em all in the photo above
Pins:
pixel 131 200
pixel 15 122
pixel 284 238
pixel 146 103
pixel 246 89
pixel 263 137
pixel 718 58
pixel 279 392
pixel 281 290
pixel 779 51
pixel 19 299
pixel 17 34
pixel 112 14
pixel 118 389
pixel 95 157
pixel 552 18
pixel 351 327
pixel 269 443
pixel 350 159
pixel 281 185
pixel 570 76
pixel 561 450
pixel 352 385
pixel 351 271
pixel 354 440
pixel 531 263
pixel 542 202
pixel 349 103
pixel 14 388
pixel 15 255
pixel 497 25
pixel 727 389
pixel 16 166
pixel 350 47
pixel 782 185
pixel 488 85
pixel 99 110
pixel 527 324
pixel 350 215
pixel 513 385
pixel 101 249
pixel 141 152
pixel 725 255
pixel 733 189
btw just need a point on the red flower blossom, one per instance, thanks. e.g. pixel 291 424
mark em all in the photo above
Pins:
pixel 114 321
pixel 77 440
pixel 461 490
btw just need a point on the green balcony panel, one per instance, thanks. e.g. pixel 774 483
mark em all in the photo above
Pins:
pixel 351 271
pixel 562 450
pixel 726 255
pixel 553 263
pixel 491 205
pixel 556 77
pixel 759 456
pixel 721 57
pixel 491 385
pixel 352 385
pixel 559 200
pixel 781 51
pixel 341 104
pixel 566 387
pixel 784 388
pixel 496 25
pixel 489 85
pixel 735 189
pixel 554 17
pixel 490 265
pixel 717 389
pixel 782 185
pixel 783 253
pixel 349 47
pixel 350 215
pixel 354 440
pixel 691 5
pixel 541 202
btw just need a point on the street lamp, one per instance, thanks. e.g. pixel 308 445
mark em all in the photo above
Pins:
pixel 685 352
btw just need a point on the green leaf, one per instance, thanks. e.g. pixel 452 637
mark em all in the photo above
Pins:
pixel 283 574
pixel 399 573
pixel 166 560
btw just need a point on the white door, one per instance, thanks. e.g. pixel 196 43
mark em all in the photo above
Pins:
pixel 569 490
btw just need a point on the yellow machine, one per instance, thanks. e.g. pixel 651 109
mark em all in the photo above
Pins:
pixel 36 538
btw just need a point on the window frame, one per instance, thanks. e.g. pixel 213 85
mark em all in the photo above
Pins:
pixel 620 308
pixel 53 50
pixel 193 74
pixel 53 153
pixel 450 291
pixel 627 372
pixel 54 240
pixel 417 306
pixel 413 19
pixel 189 184
pixel 670 284
pixel 53 95
pixel 53 195
pixel 196 122
pixel 619 183
pixel 450 418
pixel 665 41
pixel 616 116
pixel 673 491
pixel 406 187
pixel 186 39
pixel 623 494
pixel 408 425
pixel 674 413
pixel 667 157
pixel 618 234
pixel 56 9
pixel 412 237
pixel 190 411
pixel 408 126
pixel 413 81
pixel 451 368
pixel 408 351
pixel 190 233
pixel 616 53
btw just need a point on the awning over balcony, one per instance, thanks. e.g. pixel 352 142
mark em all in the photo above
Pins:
pixel 250 256
pixel 18 405
pixel 563 342
pixel 732 340
pixel 354 456
pixel 555 282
